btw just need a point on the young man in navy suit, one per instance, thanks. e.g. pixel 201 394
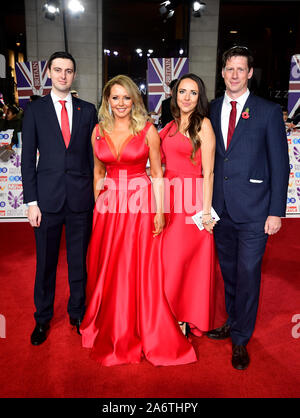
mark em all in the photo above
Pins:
pixel 250 192
pixel 59 189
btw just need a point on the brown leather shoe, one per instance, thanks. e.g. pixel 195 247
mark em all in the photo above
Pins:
pixel 240 357
pixel 219 333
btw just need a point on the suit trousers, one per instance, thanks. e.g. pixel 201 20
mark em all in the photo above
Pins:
pixel 48 236
pixel 240 248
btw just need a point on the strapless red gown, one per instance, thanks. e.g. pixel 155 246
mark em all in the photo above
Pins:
pixel 188 253
pixel 127 316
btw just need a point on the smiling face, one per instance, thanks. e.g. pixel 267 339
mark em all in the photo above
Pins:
pixel 187 95
pixel 62 76
pixel 120 101
pixel 236 75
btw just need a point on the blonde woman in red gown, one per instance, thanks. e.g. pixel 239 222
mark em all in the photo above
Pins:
pixel 127 316
pixel 188 147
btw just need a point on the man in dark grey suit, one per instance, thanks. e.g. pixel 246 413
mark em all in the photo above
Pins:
pixel 166 114
pixel 59 190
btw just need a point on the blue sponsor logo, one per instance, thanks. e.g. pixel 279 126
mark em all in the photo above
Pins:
pixel 2 204
pixel 15 178
pixel 4 136
pixel 296 141
pixel 297 174
pixel 3 170
pixel 291 166
pixel 291 200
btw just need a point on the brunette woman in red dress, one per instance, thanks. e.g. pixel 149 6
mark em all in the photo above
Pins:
pixel 128 316
pixel 188 148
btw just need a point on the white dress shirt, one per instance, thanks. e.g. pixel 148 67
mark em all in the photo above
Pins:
pixel 58 107
pixel 226 109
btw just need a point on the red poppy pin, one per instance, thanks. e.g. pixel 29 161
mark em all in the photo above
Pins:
pixel 246 115
pixel 78 108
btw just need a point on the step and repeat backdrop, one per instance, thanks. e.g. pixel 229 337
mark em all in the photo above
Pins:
pixel 32 79
pixel 293 200
pixel 11 190
pixel 293 138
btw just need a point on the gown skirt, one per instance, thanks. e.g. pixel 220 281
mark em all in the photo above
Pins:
pixel 128 317
pixel 189 256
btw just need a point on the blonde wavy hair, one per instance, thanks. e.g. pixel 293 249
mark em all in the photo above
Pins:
pixel 139 115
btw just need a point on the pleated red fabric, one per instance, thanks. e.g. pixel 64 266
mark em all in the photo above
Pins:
pixel 128 317
pixel 189 256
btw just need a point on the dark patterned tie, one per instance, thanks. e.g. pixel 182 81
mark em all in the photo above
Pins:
pixel 231 125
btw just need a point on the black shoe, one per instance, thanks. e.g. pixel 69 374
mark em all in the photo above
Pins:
pixel 219 333
pixel 240 357
pixel 76 322
pixel 40 333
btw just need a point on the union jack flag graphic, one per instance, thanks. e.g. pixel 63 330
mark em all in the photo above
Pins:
pixel 161 71
pixel 32 79
pixel 294 86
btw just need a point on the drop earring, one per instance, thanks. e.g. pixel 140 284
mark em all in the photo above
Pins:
pixel 109 109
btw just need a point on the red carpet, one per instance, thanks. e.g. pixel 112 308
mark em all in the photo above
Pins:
pixel 62 368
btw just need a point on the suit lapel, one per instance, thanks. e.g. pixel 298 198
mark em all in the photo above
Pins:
pixel 219 135
pixel 242 123
pixel 52 117
pixel 77 111
pixel 53 121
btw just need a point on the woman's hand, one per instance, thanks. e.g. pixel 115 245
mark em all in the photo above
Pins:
pixel 159 223
pixel 208 223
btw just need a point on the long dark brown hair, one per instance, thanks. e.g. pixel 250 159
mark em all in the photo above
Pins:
pixel 197 116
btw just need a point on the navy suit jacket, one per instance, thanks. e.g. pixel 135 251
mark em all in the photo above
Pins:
pixel 62 174
pixel 252 175
pixel 166 114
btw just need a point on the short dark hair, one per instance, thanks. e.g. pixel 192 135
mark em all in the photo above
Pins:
pixel 13 108
pixel 238 51
pixel 34 97
pixel 61 54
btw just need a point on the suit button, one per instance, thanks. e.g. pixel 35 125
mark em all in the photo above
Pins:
pixel 226 159
pixel 225 178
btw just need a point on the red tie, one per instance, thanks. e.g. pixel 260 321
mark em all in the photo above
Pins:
pixel 65 127
pixel 231 125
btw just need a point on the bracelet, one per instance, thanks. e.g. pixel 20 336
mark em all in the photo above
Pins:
pixel 205 214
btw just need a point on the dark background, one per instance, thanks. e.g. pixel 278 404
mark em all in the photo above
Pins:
pixel 271 29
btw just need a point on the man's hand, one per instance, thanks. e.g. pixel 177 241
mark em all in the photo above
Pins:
pixel 34 215
pixel 291 125
pixel 272 225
